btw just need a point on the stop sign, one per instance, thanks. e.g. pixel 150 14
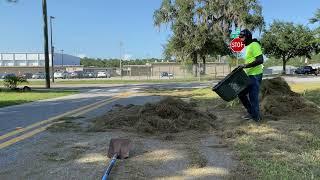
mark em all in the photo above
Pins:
pixel 236 45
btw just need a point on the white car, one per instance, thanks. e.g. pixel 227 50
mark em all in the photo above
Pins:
pixel 103 74
pixel 61 75
pixel 39 75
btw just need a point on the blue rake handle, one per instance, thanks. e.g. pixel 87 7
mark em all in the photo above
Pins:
pixel 111 164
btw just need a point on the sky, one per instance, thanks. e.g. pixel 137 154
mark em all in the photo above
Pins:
pixel 95 28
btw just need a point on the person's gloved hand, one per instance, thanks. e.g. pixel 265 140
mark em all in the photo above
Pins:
pixel 241 66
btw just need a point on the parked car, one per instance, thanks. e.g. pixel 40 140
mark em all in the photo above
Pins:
pixel 76 74
pixel 2 76
pixel 89 75
pixel 166 74
pixel 39 75
pixel 103 74
pixel 60 75
pixel 306 70
pixel 27 75
pixel 7 75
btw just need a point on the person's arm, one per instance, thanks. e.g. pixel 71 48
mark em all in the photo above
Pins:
pixel 256 62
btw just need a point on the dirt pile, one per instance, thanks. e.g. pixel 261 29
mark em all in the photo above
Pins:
pixel 276 87
pixel 167 116
pixel 277 99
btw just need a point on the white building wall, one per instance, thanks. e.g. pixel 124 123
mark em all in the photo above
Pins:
pixel 36 59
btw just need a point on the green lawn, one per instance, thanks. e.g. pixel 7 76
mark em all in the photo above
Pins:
pixel 8 98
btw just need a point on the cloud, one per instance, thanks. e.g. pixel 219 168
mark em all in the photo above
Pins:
pixel 82 55
pixel 127 57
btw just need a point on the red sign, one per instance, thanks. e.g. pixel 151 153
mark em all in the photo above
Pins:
pixel 236 45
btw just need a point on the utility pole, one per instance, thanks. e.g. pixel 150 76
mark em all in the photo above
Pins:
pixel 121 45
pixel 46 45
pixel 52 50
pixel 237 59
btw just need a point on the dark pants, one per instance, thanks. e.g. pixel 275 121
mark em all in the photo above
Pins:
pixel 250 96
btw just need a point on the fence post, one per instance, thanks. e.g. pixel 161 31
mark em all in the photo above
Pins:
pixel 215 72
pixel 174 73
pixel 199 71
pixel 223 70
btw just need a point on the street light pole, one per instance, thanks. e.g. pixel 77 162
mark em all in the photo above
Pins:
pixel 46 45
pixel 52 50
pixel 62 57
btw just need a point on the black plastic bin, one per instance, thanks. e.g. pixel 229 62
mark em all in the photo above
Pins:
pixel 229 88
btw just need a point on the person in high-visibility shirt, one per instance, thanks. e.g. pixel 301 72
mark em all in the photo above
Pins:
pixel 254 68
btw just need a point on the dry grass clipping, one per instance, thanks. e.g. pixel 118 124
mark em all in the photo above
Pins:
pixel 277 99
pixel 170 115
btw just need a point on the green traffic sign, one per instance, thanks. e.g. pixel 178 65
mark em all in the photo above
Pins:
pixel 234 35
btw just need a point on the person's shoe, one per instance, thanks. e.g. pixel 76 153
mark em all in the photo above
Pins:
pixel 258 119
pixel 246 117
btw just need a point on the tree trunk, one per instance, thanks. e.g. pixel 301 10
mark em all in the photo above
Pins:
pixel 195 70
pixel 284 62
pixel 194 64
pixel 204 65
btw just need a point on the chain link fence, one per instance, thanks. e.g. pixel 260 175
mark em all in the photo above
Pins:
pixel 162 71
pixel 153 71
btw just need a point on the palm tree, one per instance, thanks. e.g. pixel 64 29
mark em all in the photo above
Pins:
pixel 316 18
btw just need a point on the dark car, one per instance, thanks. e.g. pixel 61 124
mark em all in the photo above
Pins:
pixel 166 74
pixel 89 75
pixel 8 75
pixel 2 76
pixel 306 70
pixel 27 75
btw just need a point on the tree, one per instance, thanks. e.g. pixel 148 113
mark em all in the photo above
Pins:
pixel 316 18
pixel 286 40
pixel 201 27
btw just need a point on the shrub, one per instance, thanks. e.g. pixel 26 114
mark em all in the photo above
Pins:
pixel 12 82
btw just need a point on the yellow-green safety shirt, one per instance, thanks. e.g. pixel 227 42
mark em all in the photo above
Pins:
pixel 253 50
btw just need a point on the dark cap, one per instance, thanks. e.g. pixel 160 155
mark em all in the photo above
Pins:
pixel 245 33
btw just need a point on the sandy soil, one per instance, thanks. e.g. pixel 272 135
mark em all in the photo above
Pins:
pixel 78 154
